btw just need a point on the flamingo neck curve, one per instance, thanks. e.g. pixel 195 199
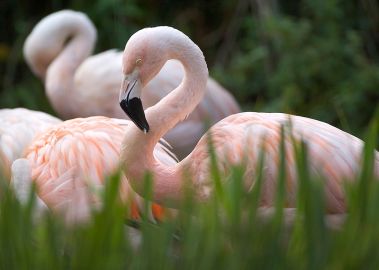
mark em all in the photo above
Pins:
pixel 137 150
pixel 78 35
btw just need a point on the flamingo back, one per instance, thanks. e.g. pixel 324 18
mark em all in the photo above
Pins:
pixel 97 82
pixel 334 155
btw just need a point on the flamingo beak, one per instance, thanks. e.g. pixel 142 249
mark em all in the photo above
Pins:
pixel 130 101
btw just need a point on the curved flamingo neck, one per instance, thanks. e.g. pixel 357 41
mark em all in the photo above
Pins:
pixel 137 152
pixel 177 105
pixel 60 76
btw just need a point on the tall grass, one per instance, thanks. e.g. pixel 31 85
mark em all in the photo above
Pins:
pixel 227 232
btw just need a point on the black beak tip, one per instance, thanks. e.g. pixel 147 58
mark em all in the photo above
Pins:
pixel 134 109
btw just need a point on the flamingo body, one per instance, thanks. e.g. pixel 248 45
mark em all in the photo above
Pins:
pixel 80 85
pixel 334 155
pixel 18 127
pixel 70 162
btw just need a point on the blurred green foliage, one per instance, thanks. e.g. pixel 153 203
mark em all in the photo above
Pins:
pixel 312 62
pixel 314 58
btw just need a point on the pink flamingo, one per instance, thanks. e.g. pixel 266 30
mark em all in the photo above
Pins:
pixel 237 139
pixel 70 161
pixel 58 50
pixel 17 129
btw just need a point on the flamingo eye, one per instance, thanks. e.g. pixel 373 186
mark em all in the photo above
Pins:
pixel 138 61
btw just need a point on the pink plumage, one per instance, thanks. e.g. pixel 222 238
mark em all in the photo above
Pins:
pixel 334 155
pixel 71 161
pixel 17 129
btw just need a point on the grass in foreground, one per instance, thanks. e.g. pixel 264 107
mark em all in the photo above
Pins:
pixel 225 233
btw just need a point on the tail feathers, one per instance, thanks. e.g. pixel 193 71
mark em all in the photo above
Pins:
pixel 21 183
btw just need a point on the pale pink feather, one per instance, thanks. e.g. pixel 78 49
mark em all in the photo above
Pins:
pixel 71 161
pixel 334 155
pixel 18 127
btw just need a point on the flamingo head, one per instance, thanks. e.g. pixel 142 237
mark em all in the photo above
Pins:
pixel 130 101
pixel 145 54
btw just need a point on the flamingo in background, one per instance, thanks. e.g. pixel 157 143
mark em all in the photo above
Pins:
pixel 18 127
pixel 70 161
pixel 58 50
pixel 237 139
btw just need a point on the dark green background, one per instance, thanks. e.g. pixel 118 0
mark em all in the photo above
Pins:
pixel 314 58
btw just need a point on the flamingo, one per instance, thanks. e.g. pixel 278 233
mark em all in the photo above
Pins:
pixel 79 85
pixel 237 139
pixel 70 161
pixel 18 127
